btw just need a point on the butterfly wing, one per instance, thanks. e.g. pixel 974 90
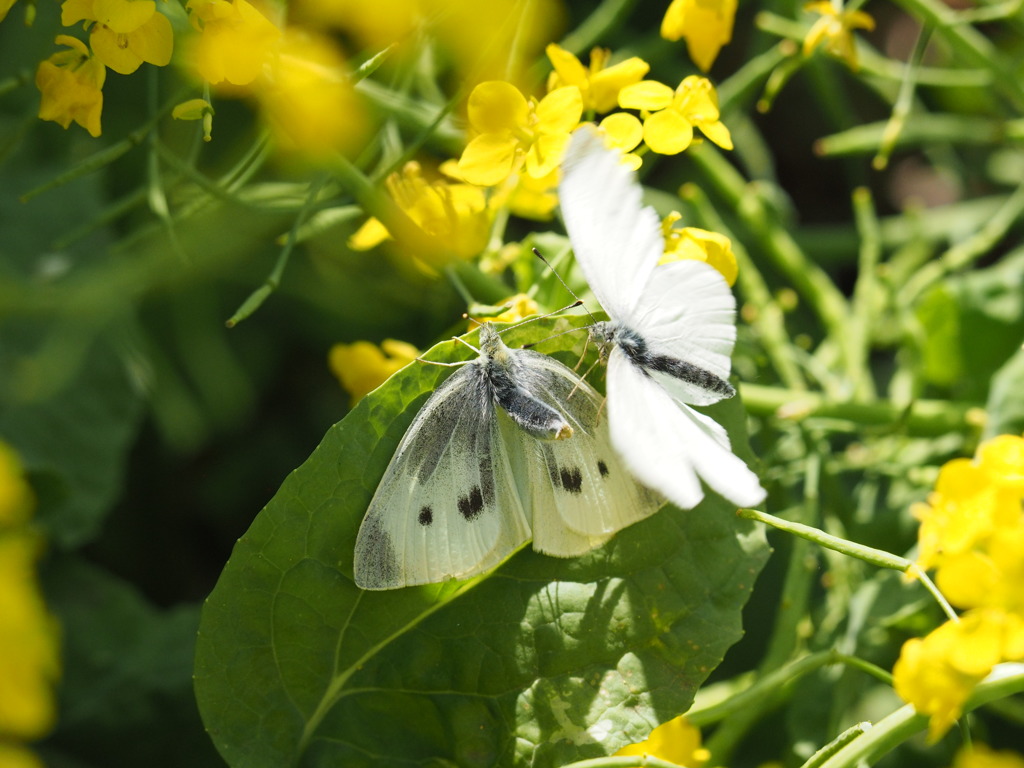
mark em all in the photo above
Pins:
pixel 616 239
pixel 447 506
pixel 668 445
pixel 688 313
pixel 580 491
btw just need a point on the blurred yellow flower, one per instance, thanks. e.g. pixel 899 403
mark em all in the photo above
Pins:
pixel 599 84
pixel 17 756
pixel 518 307
pixel 235 40
pixel 670 116
pixel 835 29
pixel 307 99
pixel 125 33
pixel 361 367
pixel 706 25
pixel 28 642
pixel 981 756
pixel 374 25
pixel 675 741
pixel 71 84
pixel 700 245
pixel 454 218
pixel 513 132
pixel 937 673
pixel 5 7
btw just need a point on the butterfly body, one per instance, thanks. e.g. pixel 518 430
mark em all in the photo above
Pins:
pixel 669 341
pixel 510 447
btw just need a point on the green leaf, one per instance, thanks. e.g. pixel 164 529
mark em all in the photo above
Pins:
pixel 544 660
pixel 70 409
pixel 1005 405
pixel 125 692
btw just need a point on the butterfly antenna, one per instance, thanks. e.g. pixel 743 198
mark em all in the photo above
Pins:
pixel 579 301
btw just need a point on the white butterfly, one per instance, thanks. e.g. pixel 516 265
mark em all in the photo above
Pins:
pixel 510 446
pixel 671 333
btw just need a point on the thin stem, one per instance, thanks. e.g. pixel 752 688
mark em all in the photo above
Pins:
pixel 904 101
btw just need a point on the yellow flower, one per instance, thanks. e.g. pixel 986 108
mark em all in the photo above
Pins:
pixel 125 33
pixel 71 84
pixel 518 307
pixel 5 6
pixel 513 132
pixel 307 98
pixel 700 245
pixel 454 218
pixel 937 673
pixel 706 25
pixel 196 109
pixel 361 367
pixel 981 756
pixel 600 84
pixel 16 756
pixel 671 115
pixel 835 29
pixel 623 131
pixel 532 198
pixel 16 499
pixel 675 741
pixel 28 643
pixel 235 40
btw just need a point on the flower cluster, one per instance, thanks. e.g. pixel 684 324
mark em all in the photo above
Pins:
pixel 972 535
pixel 122 35
pixel 29 662
pixel 362 366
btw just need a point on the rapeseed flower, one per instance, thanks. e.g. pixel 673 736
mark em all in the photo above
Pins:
pixel 599 84
pixel 972 534
pixel 514 133
pixel 307 99
pixel 675 741
pixel 835 29
pixel 981 756
pixel 71 84
pixel 670 116
pixel 124 33
pixel 705 24
pixel 454 218
pixel 235 41
pixel 699 245
pixel 29 660
pixel 362 366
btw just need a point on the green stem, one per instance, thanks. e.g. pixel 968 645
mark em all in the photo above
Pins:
pixel 899 726
pixel 807 278
pixel 904 102
pixel 257 297
pixel 628 761
pixel 840 741
pixel 866 294
pixel 608 15
pixel 870 555
pixel 921 130
pixel 922 417
pixel 768 318
pixel 966 252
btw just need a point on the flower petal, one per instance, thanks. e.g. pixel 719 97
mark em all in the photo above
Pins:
pixel 123 16
pixel 718 133
pixel 488 159
pixel 647 94
pixel 560 111
pixel 622 130
pixel 496 106
pixel 153 41
pixel 569 69
pixel 106 48
pixel 546 153
pixel 606 84
pixel 667 132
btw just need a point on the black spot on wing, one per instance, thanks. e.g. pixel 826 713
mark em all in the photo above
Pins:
pixel 571 479
pixel 426 516
pixel 472 505
pixel 602 468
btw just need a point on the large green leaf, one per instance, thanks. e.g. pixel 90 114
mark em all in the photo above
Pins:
pixel 543 661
